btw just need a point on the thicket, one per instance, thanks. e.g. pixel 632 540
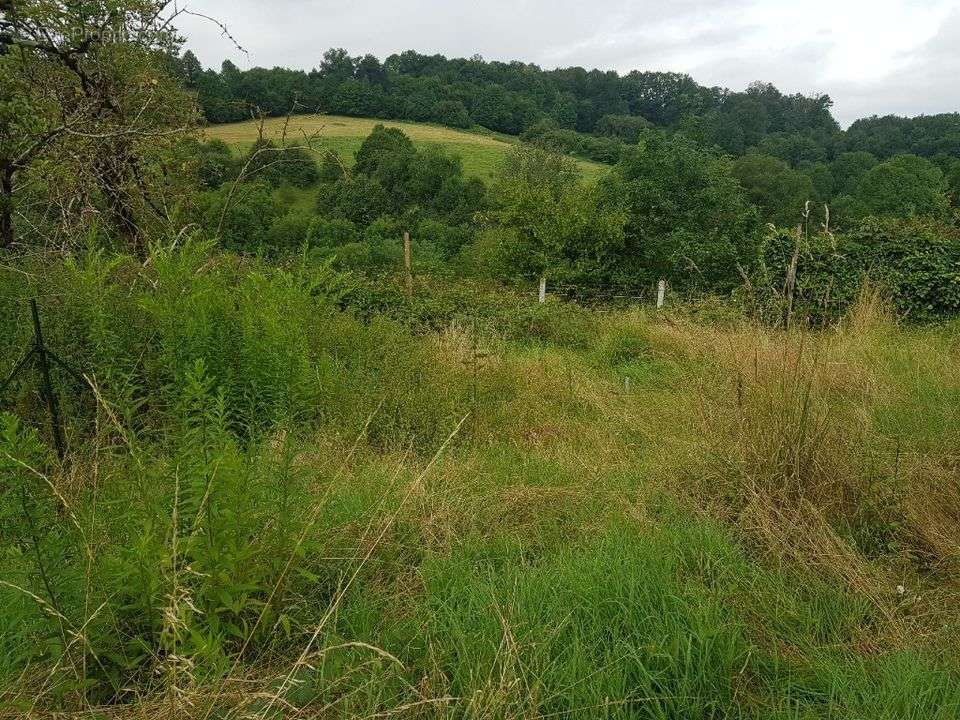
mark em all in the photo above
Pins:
pixel 915 262
pixel 669 209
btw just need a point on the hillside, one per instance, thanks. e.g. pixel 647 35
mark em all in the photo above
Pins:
pixel 461 433
pixel 480 152
pixel 601 105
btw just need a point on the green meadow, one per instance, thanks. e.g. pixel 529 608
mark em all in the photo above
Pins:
pixel 481 152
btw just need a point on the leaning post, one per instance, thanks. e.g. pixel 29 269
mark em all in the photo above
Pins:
pixel 49 395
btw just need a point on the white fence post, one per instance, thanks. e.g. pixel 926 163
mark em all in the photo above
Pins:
pixel 543 289
pixel 661 293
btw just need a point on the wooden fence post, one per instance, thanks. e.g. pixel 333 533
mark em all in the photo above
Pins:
pixel 661 293
pixel 543 289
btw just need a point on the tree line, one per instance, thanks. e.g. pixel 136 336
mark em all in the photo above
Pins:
pixel 516 97
pixel 668 209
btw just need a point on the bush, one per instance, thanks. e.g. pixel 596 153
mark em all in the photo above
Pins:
pixel 570 142
pixel 359 199
pixel 915 263
pixel 289 232
pixel 213 161
pixel 277 166
pixel 452 113
pixel 331 233
pixel 240 216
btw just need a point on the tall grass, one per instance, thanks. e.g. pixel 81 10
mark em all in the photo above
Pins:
pixel 275 505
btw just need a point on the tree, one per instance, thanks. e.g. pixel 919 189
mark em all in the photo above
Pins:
pixel 93 112
pixel 688 219
pixel 559 227
pixel 627 128
pixel 279 165
pixel 383 147
pixel 905 186
pixel 337 65
pixel 357 198
pixel 849 168
pixel 239 217
pixel 191 68
pixel 212 162
pixel 452 113
pixel 368 69
pixel 772 186
pixel 793 148
pixel 401 181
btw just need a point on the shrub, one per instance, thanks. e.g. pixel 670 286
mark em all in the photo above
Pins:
pixel 916 263
pixel 331 233
pixel 452 113
pixel 276 166
pixel 240 216
pixel 289 232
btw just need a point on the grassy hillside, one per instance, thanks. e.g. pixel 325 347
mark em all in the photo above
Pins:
pixel 480 152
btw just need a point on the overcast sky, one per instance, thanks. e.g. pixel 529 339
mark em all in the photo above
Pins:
pixel 871 56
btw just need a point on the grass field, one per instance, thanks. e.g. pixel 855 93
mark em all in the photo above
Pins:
pixel 277 509
pixel 480 152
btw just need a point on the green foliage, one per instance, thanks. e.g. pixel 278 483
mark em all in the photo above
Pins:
pixel 688 219
pixel 212 161
pixel 240 215
pixel 266 162
pixel 558 227
pixel 849 168
pixel 905 186
pixel 779 192
pixel 605 149
pixel 916 264
pixel 331 233
pixel 384 153
pixel 926 136
pixel 392 178
pixel 289 232
pixel 358 199
pixel 453 113
pixel 667 652
pixel 628 128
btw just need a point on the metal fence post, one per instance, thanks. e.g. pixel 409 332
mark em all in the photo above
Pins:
pixel 47 387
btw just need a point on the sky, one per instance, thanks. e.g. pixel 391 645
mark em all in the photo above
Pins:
pixel 873 57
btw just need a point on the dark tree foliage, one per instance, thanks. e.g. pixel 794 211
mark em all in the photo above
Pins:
pixel 513 97
pixel 780 192
pixel 277 166
pixel 518 98
pixel 212 162
pixel 688 219
pixel 627 128
pixel 926 136
pixel 240 217
pixel 570 142
pixel 392 177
